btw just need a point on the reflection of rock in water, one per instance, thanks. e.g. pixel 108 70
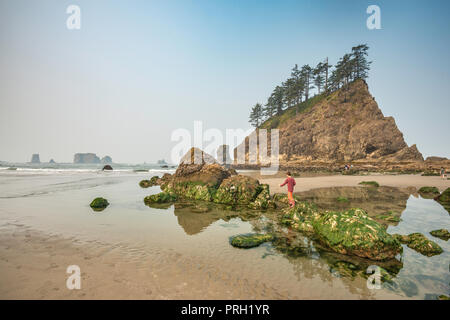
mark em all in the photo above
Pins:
pixel 374 201
pixel 196 216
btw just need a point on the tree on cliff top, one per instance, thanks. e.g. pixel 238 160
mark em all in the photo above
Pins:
pixel 256 115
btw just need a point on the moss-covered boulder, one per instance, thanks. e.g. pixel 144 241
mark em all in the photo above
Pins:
pixel 428 192
pixel 99 204
pixel 351 232
pixel 441 234
pixel 420 243
pixel 370 183
pixel 432 190
pixel 263 201
pixel 281 200
pixel 250 240
pixel 354 232
pixel 240 190
pixel 162 197
pixel 149 183
pixel 444 199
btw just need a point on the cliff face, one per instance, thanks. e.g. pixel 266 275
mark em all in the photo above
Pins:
pixel 343 126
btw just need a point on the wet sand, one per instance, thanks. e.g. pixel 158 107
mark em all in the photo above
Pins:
pixel 130 251
pixel 34 266
pixel 305 183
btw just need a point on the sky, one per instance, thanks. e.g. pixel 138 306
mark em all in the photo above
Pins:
pixel 138 70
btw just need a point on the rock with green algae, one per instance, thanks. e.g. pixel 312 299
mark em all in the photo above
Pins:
pixel 190 190
pixel 420 243
pixel 351 232
pixel 250 240
pixel 281 200
pixel 441 234
pixel 443 297
pixel 444 199
pixel 99 204
pixel 370 183
pixel 432 190
pixel 263 201
pixel 149 183
pixel 162 197
pixel 389 216
pixel 237 190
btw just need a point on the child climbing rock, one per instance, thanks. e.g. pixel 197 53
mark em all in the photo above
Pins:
pixel 290 184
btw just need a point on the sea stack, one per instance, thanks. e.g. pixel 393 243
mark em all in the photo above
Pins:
pixel 86 158
pixel 106 160
pixel 345 125
pixel 35 158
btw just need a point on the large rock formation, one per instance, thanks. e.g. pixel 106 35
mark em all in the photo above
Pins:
pixel 86 158
pixel 345 125
pixel 35 158
pixel 106 160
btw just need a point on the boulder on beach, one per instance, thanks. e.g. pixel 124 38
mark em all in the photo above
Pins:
pixel 237 190
pixel 442 234
pixel 149 183
pixel 351 232
pixel 162 197
pixel 420 243
pixel 250 240
pixel 99 204
pixel 107 167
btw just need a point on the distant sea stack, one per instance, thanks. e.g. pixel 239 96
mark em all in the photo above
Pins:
pixel 52 161
pixel 35 158
pixel 346 125
pixel 86 158
pixel 106 160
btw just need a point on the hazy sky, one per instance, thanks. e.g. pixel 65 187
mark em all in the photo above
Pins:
pixel 137 70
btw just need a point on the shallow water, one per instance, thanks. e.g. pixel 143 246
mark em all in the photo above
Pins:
pixel 58 204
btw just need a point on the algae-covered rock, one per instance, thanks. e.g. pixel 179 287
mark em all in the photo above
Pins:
pixel 441 234
pixel 443 297
pixel 190 190
pixel 433 190
pixel 99 204
pixel 162 197
pixel 237 190
pixel 250 240
pixel 281 200
pixel 351 232
pixel 149 183
pixel 263 200
pixel 444 199
pixel 370 183
pixel 428 192
pixel 354 232
pixel 420 243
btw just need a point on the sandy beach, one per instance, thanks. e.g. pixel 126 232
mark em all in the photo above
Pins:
pixel 305 183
